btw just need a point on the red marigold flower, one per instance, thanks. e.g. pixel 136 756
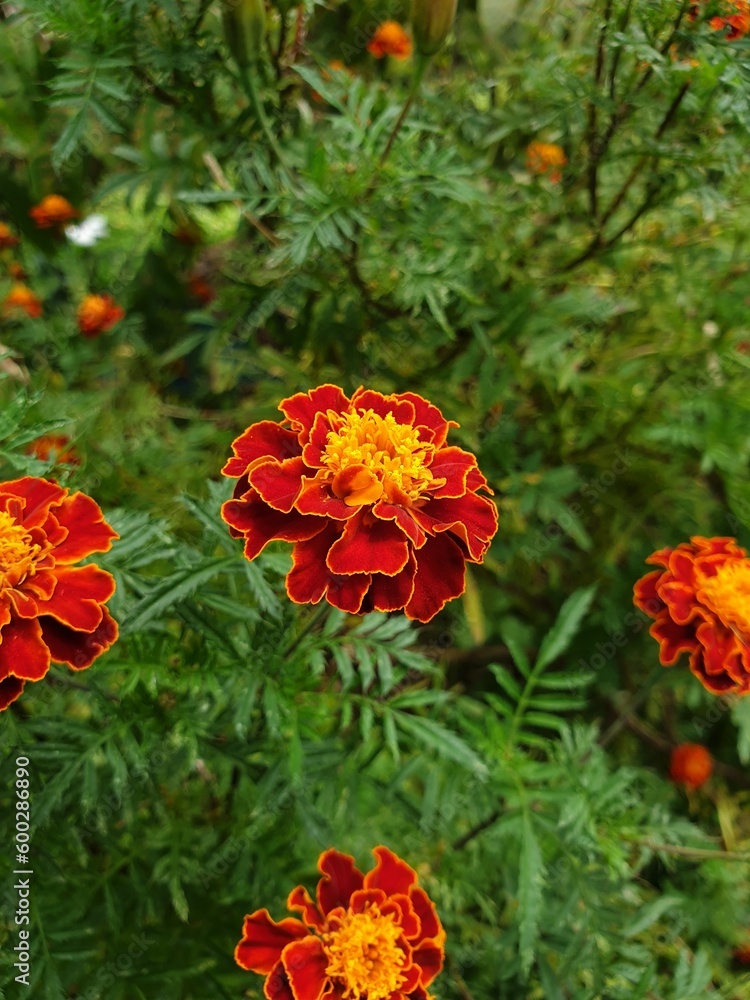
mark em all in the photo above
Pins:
pixel 54 448
pixel 691 765
pixel 50 609
pixel 8 238
pixel 98 313
pixel 22 297
pixel 700 601
pixel 201 289
pixel 546 158
pixel 54 210
pixel 390 39
pixel 365 937
pixel 384 515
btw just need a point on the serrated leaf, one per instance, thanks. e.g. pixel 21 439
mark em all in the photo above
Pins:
pixel 174 589
pixel 565 627
pixel 446 743
pixel 530 882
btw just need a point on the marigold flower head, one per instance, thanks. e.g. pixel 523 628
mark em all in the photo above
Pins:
pixel 8 238
pixel 98 313
pixel 690 765
pixel 735 22
pixel 700 600
pixel 390 39
pixel 546 158
pixel 54 448
pixel 50 609
pixel 383 513
pixel 364 937
pixel 54 210
pixel 21 297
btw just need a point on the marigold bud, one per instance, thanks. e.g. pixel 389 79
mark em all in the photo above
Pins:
pixel 244 29
pixel 691 765
pixel 431 22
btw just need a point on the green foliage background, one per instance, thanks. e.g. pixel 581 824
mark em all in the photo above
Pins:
pixel 591 338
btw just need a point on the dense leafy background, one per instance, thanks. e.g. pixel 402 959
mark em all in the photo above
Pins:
pixel 591 337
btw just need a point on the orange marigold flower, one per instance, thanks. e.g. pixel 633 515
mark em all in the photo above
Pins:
pixel 700 601
pixel 54 210
pixel 390 39
pixel 691 765
pixel 98 313
pixel 736 21
pixel 22 297
pixel 546 158
pixel 8 238
pixel 50 609
pixel 54 448
pixel 375 936
pixel 384 514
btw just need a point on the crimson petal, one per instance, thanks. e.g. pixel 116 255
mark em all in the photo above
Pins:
pixel 11 688
pixel 263 940
pixel 368 545
pixel 341 878
pixel 23 653
pixel 78 649
pixel 78 596
pixel 279 483
pixel 301 408
pixel 305 963
pixel 87 530
pixel 440 576
pixel 391 873
pixel 264 438
pixel 261 524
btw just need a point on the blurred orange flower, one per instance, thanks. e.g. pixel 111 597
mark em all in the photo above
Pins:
pixel 736 21
pixel 201 289
pixel 7 237
pixel 546 158
pixel 22 297
pixel 54 210
pixel 98 313
pixel 690 765
pixel 390 39
pixel 54 448
pixel 16 271
pixel 700 600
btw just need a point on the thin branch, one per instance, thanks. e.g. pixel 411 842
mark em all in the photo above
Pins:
pixel 218 175
pixel 485 824
pixel 694 853
pixel 592 115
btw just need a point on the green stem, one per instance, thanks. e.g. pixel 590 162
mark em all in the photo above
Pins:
pixel 320 612
pixel 248 83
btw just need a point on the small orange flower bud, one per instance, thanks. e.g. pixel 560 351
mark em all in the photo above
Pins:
pixel 431 22
pixel 390 39
pixel 54 448
pixel 7 238
pixel 690 765
pixel 98 313
pixel 201 289
pixel 54 210
pixel 546 158
pixel 22 297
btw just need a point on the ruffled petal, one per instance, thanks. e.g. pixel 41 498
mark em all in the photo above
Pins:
pixel 403 409
pixel 78 597
pixel 646 596
pixel 429 957
pixel 316 499
pixel 673 639
pixel 11 688
pixel 24 604
pixel 368 545
pixel 263 940
pixel 429 417
pixel 713 683
pixel 23 653
pixel 261 524
pixel 87 530
pixel 402 517
pixel 301 408
pixel 307 580
pixel 341 878
pixel 472 518
pixel 430 925
pixel 266 438
pixel 78 649
pixel 39 495
pixel 391 873
pixel 440 576
pixel 299 899
pixel 392 593
pixel 305 963
pixel 279 483
pixel 681 600
pixel 347 593
pixel 453 465
pixel 277 987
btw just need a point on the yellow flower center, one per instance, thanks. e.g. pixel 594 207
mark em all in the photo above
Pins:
pixel 728 594
pixel 17 552
pixel 389 456
pixel 363 955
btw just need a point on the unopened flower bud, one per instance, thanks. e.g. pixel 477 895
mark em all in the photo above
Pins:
pixel 244 29
pixel 431 22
